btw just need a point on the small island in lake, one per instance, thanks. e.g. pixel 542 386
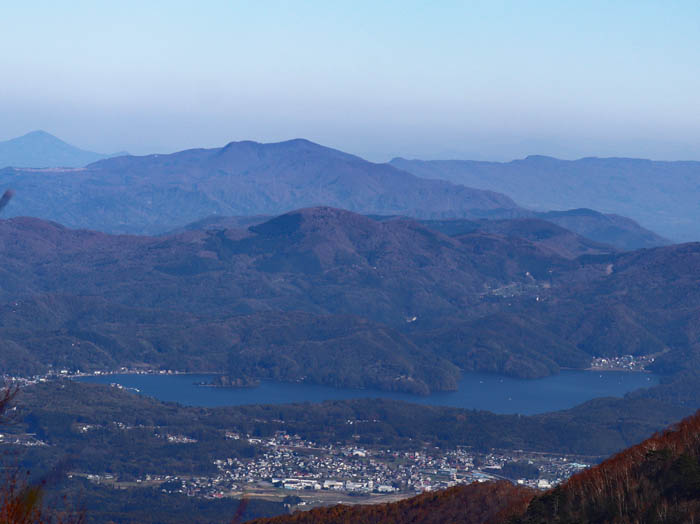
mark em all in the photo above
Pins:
pixel 225 381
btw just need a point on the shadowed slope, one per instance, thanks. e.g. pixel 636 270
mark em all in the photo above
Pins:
pixel 655 481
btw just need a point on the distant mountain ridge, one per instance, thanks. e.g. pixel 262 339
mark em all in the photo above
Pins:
pixel 596 232
pixel 156 193
pixel 543 233
pixel 621 232
pixel 41 149
pixel 562 241
pixel 659 195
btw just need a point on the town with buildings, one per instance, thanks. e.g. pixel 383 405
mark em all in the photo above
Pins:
pixel 622 363
pixel 285 465
pixel 289 466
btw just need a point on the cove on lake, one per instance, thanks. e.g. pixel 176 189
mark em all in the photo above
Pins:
pixel 482 391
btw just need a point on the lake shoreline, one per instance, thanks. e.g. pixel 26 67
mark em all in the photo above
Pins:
pixel 478 391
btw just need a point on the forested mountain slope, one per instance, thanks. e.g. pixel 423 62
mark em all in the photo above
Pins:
pixel 419 304
pixel 156 193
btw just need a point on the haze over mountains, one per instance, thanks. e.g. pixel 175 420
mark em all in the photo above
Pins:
pixel 418 282
pixel 612 229
pixel 156 193
pixel 662 196
pixel 451 289
pixel 41 149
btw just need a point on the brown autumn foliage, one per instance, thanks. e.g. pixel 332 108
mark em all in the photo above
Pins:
pixel 488 502
pixel 655 481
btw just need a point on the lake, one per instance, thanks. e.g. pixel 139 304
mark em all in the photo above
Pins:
pixel 476 391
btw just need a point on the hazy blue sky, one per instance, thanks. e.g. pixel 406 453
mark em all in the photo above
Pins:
pixel 487 80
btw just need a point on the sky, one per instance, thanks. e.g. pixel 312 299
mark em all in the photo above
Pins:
pixel 491 80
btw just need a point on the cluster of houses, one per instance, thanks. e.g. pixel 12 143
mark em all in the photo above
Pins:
pixel 622 363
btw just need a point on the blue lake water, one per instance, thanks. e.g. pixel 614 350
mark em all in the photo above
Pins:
pixel 476 391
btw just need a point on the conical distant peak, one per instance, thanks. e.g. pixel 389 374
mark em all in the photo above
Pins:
pixel 41 134
pixel 40 149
